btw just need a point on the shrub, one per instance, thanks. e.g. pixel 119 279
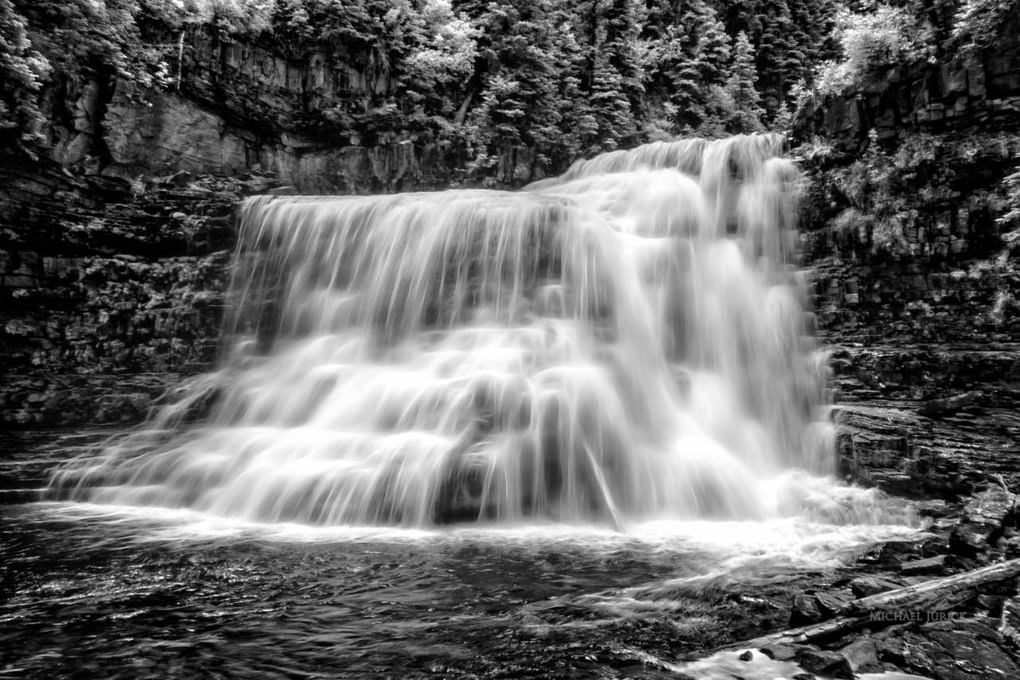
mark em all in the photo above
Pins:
pixel 887 35
pixel 978 22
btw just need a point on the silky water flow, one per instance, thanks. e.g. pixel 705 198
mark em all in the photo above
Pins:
pixel 626 342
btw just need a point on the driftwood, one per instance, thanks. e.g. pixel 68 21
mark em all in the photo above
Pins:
pixel 919 602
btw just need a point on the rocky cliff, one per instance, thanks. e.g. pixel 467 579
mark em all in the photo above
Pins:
pixel 108 293
pixel 238 106
pixel 915 289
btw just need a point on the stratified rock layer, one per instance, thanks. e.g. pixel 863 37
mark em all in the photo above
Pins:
pixel 108 295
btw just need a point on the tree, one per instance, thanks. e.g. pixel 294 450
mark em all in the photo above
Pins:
pixel 746 112
pixel 978 22
pixel 688 59
pixel 22 72
pixel 884 36
pixel 528 83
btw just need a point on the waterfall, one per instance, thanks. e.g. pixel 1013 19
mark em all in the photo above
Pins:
pixel 626 341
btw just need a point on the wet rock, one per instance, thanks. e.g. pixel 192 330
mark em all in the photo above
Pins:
pixel 178 179
pixel 894 553
pixel 832 603
pixel 883 441
pixel 746 655
pixel 825 663
pixel 1009 622
pixel 805 610
pixel 993 604
pixel 863 586
pixel 862 655
pixel 779 651
pixel 957 649
pixel 929 565
pixel 984 519
pixel 940 408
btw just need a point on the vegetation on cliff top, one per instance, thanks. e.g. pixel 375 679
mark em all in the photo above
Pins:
pixel 564 78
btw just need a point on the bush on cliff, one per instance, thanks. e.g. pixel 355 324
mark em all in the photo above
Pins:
pixel 22 73
pixel 564 78
pixel 870 40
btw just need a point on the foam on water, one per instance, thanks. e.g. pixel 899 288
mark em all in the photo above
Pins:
pixel 727 665
pixel 623 344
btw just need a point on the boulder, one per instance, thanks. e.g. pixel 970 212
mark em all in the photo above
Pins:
pixel 956 649
pixel 984 519
pixel 805 610
pixel 862 655
pixel 826 663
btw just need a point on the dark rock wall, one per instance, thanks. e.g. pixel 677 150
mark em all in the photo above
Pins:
pixel 237 107
pixel 108 295
pixel 924 331
pixel 173 132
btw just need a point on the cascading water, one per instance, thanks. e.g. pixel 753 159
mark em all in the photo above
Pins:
pixel 625 342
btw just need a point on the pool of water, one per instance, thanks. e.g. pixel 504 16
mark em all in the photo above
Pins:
pixel 101 591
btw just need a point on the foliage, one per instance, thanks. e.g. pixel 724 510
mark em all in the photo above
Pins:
pixel 685 55
pixel 235 16
pixel 22 72
pixel 564 78
pixel 1011 216
pixel 891 193
pixel 868 40
pixel 883 190
pixel 448 50
pixel 745 111
pixel 978 22
pixel 790 38
pixel 525 81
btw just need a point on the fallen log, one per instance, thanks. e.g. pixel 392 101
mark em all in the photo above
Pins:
pixel 917 602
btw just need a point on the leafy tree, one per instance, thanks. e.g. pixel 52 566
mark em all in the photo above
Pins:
pixel 978 22
pixel 22 72
pixel 885 36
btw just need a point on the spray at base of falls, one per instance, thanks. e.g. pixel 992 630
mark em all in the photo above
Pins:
pixel 622 343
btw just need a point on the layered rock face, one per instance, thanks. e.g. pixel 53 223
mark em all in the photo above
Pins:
pixel 236 107
pixel 915 289
pixel 107 296
pixel 177 132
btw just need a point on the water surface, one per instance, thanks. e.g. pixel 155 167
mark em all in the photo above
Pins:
pixel 109 591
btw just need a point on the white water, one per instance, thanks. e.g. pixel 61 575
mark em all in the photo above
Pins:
pixel 623 344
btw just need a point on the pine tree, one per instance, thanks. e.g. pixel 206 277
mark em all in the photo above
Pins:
pixel 531 75
pixel 611 77
pixel 746 114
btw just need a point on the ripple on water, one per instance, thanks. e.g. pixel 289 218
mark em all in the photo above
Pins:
pixel 123 592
